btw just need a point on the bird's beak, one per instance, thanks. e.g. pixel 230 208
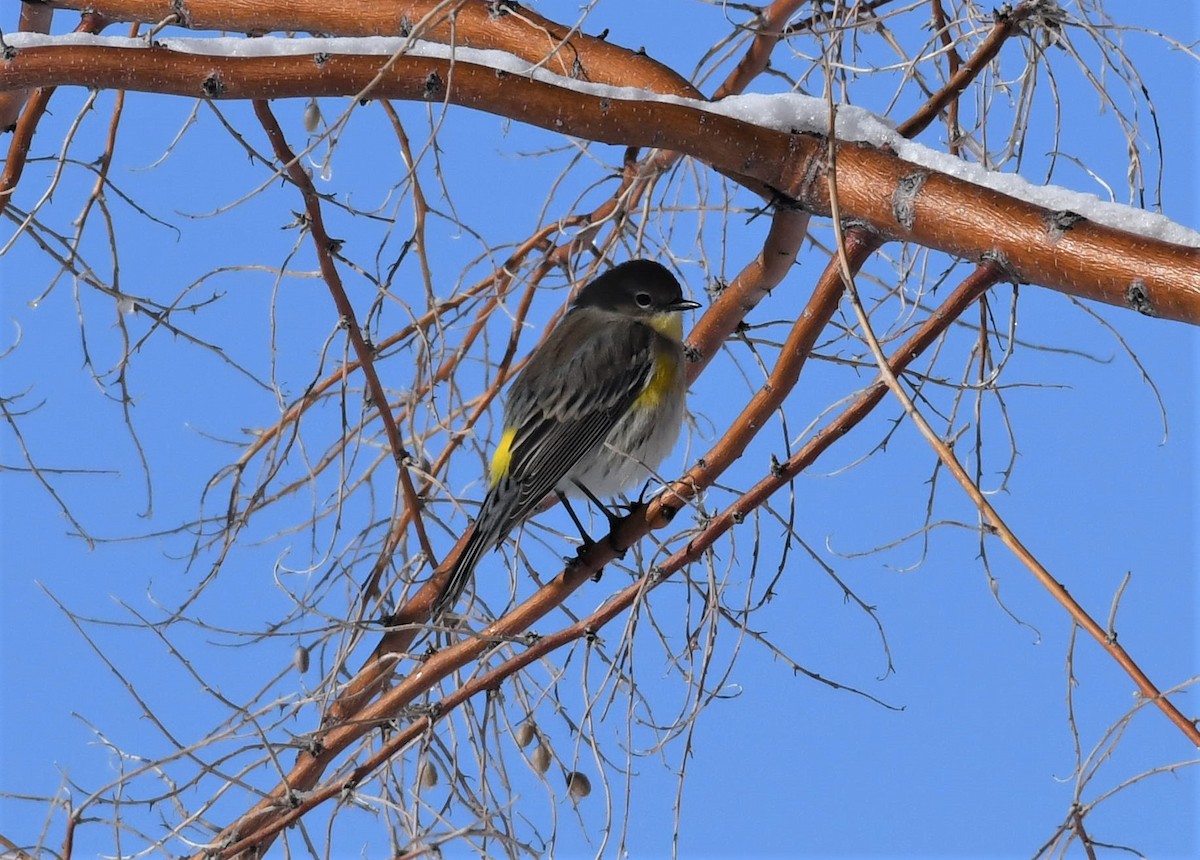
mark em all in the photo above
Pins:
pixel 683 305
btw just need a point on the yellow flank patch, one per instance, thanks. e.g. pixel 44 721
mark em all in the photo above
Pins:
pixel 663 380
pixel 660 383
pixel 502 459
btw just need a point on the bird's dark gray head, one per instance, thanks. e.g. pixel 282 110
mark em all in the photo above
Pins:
pixel 638 288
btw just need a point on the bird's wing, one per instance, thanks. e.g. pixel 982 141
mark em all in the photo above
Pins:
pixel 575 388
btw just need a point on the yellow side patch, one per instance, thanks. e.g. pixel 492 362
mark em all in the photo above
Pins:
pixel 665 368
pixel 660 383
pixel 502 459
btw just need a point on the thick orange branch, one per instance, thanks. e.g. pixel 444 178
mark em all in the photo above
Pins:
pixel 1035 245
pixel 465 23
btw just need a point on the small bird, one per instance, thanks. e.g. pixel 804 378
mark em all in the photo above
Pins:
pixel 597 406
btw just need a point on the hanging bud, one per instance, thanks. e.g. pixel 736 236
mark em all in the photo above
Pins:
pixel 578 785
pixel 541 758
pixel 312 116
pixel 300 659
pixel 526 732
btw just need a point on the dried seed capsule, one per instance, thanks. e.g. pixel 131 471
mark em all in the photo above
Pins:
pixel 312 116
pixel 526 732
pixel 578 785
pixel 541 758
pixel 300 659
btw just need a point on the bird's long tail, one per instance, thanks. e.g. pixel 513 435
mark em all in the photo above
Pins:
pixel 460 574
pixel 496 518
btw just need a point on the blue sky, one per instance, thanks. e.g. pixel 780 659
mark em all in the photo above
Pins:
pixel 973 758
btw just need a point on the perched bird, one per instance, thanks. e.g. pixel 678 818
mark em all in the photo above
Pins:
pixel 597 406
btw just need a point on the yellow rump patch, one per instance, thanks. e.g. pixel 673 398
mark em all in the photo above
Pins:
pixel 502 458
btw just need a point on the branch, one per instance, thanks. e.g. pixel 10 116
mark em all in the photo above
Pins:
pixel 896 199
pixel 1057 590
pixel 497 26
pixel 34 19
pixel 271 814
pixel 12 99
pixel 365 354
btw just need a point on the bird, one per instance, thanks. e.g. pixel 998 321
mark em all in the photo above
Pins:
pixel 597 406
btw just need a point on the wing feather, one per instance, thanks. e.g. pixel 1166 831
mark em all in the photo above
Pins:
pixel 569 397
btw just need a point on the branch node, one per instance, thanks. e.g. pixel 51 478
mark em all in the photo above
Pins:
pixel 1138 299
pixel 859 224
pixel 779 200
pixel 812 178
pixel 500 8
pixel 292 799
pixel 1000 261
pixel 435 87
pixel 213 87
pixel 1061 222
pixel 904 198
pixel 666 513
pixel 183 17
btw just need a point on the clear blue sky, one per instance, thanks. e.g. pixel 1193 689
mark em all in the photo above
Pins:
pixel 976 761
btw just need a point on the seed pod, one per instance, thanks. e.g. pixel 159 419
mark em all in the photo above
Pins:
pixel 526 732
pixel 541 758
pixel 312 116
pixel 428 775
pixel 300 659
pixel 578 785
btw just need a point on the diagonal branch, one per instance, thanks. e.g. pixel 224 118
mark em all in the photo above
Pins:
pixel 324 247
pixel 271 814
pixel 1057 590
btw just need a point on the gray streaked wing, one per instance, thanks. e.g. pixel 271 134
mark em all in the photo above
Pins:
pixel 577 402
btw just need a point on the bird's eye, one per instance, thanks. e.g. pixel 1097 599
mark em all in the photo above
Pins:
pixel 643 300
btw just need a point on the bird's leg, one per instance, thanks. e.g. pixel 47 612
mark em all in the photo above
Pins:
pixel 630 507
pixel 613 519
pixel 587 538
pixel 641 499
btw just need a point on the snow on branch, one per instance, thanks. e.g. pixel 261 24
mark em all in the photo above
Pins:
pixel 1046 235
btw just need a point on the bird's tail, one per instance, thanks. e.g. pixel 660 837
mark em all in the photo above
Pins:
pixel 460 574
pixel 496 518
